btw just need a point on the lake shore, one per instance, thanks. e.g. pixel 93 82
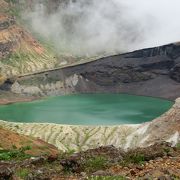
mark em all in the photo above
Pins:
pixel 7 97
pixel 85 137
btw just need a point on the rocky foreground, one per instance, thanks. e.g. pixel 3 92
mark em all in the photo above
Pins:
pixel 160 161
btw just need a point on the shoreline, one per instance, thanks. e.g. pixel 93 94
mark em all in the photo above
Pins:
pixel 13 100
pixel 7 98
pixel 126 136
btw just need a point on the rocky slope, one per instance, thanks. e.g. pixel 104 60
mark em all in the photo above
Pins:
pixel 159 161
pixel 149 72
pixel 10 139
pixel 20 52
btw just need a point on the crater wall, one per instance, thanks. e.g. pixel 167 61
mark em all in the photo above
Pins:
pixel 149 72
pixel 65 137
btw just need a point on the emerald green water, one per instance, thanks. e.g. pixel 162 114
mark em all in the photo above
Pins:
pixel 87 109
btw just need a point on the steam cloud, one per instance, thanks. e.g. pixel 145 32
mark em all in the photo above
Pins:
pixel 88 28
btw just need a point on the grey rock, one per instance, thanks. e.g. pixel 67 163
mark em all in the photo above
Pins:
pixel 148 72
pixel 101 173
pixel 5 172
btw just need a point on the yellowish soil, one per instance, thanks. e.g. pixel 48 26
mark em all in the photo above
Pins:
pixel 38 147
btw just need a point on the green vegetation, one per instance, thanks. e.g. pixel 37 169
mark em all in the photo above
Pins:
pixel 15 153
pixel 95 163
pixel 47 43
pixel 167 150
pixel 70 152
pixel 178 145
pixel 106 178
pixel 14 58
pixel 14 11
pixel 22 173
pixel 23 62
pixel 11 1
pixel 133 158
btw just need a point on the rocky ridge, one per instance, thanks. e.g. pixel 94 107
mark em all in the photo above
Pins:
pixel 149 72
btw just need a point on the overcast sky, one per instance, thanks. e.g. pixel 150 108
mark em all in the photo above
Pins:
pixel 109 26
pixel 163 16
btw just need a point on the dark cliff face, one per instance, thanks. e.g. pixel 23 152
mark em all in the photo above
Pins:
pixel 175 72
pixel 150 72
pixel 138 66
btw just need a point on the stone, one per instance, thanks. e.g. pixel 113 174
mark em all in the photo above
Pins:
pixel 37 176
pixel 37 160
pixel 157 173
pixel 83 174
pixel 72 164
pixel 139 167
pixel 5 172
pixel 52 158
pixel 175 173
pixel 126 168
pixel 159 159
pixel 175 73
pixel 132 172
pixel 164 178
pixel 101 173
pixel 151 161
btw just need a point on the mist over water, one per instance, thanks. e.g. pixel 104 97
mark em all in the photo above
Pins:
pixel 89 28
